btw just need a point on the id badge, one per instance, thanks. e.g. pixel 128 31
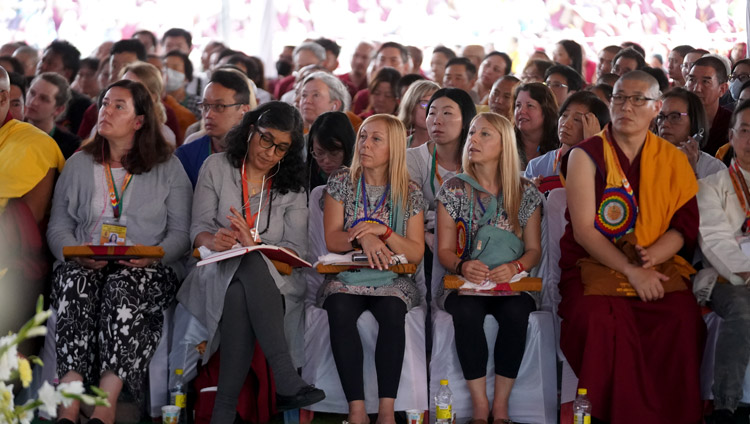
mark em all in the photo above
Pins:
pixel 113 233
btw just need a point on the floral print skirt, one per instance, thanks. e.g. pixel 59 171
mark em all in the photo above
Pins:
pixel 110 319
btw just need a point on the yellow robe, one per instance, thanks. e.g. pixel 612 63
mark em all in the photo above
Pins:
pixel 26 156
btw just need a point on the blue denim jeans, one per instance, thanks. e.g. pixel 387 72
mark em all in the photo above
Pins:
pixel 732 304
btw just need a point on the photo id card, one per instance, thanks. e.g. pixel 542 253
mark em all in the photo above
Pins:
pixel 113 234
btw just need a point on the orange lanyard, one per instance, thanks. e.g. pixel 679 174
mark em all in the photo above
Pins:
pixel 246 199
pixel 114 198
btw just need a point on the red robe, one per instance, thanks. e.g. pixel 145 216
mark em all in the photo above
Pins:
pixel 639 361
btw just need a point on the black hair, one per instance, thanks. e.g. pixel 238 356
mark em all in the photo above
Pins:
pixel 283 68
pixel 739 108
pixel 16 65
pixel 660 76
pixel 232 81
pixel 745 85
pixel 471 69
pixel 69 54
pixel 279 116
pixel 178 32
pixel 540 65
pixel 717 64
pixel 147 33
pixel 445 51
pixel 258 78
pixel 606 89
pixel 406 81
pixel 389 75
pixel 575 52
pixel 465 104
pixel 329 45
pixel 506 58
pixel 630 53
pixel 129 46
pixel 19 81
pixel 683 50
pixel 399 46
pixel 695 110
pixel 91 63
pixel 592 102
pixel 333 131
pixel 251 67
pixel 740 62
pixel 635 46
pixel 573 79
pixel 228 52
pixel 186 63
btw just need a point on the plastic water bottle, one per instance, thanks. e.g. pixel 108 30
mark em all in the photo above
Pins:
pixel 582 408
pixel 177 394
pixel 444 404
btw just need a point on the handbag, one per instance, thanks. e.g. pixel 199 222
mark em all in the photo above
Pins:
pixel 494 246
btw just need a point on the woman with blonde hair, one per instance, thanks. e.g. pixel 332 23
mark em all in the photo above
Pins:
pixel 413 111
pixel 374 207
pixel 148 75
pixel 489 203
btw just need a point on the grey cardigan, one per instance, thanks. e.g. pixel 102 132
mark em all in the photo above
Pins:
pixel 156 204
pixel 202 293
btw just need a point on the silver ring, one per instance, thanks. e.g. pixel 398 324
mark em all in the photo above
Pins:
pixel 379 252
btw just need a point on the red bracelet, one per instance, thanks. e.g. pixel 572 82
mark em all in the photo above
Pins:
pixel 519 266
pixel 387 234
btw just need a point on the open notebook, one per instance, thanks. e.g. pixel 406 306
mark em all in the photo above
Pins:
pixel 274 253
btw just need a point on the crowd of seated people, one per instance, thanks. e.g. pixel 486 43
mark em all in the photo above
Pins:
pixel 136 145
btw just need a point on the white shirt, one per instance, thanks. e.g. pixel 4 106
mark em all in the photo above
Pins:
pixel 708 165
pixel 419 162
pixel 721 219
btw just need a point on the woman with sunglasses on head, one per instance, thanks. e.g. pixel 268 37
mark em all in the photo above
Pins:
pixel 413 111
pixel 258 181
pixel 374 207
pixel 681 118
pixel 489 229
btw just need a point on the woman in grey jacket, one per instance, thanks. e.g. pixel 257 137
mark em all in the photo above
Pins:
pixel 124 187
pixel 252 193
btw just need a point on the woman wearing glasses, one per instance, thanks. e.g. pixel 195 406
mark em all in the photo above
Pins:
pixel 413 111
pixel 331 147
pixel 682 118
pixel 259 180
pixel 374 207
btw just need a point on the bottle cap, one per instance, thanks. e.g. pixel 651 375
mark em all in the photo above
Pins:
pixel 443 382
pixel 582 391
pixel 178 371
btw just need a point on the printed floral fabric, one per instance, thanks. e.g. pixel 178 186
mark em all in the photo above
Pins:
pixel 340 187
pixel 110 319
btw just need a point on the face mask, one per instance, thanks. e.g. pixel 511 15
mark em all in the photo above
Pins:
pixel 735 88
pixel 174 80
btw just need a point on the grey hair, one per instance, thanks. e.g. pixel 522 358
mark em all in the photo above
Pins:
pixel 336 89
pixel 312 47
pixel 4 79
pixel 653 84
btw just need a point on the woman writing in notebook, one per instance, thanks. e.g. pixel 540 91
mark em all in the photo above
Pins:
pixel 252 193
pixel 374 207
pixel 489 229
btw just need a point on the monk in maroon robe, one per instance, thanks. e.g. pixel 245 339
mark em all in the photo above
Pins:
pixel 638 357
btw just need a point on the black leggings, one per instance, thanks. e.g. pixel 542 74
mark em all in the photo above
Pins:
pixel 390 312
pixel 252 311
pixel 512 315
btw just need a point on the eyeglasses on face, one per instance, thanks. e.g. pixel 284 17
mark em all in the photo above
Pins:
pixel 671 117
pixel 266 141
pixel 555 84
pixel 216 107
pixel 635 100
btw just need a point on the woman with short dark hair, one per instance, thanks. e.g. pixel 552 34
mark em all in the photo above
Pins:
pixel 330 146
pixel 384 95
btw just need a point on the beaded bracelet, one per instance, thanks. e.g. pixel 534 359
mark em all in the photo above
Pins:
pixel 387 234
